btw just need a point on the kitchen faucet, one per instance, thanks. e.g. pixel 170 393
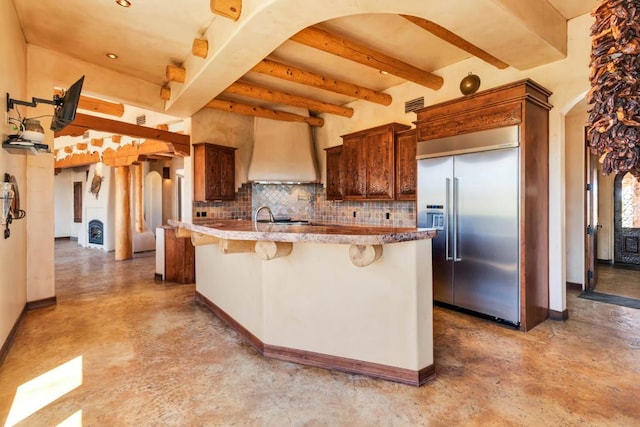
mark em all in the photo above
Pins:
pixel 255 217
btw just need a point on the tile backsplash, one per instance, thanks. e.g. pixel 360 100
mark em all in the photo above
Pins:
pixel 307 202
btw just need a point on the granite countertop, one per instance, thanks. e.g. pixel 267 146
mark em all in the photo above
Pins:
pixel 312 233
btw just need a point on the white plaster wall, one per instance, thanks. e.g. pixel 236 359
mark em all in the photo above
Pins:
pixel 231 130
pixel 575 199
pixel 215 271
pixel 63 206
pixel 381 313
pixel 13 251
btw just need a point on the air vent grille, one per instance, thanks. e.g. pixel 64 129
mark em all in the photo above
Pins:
pixel 414 104
pixel 141 120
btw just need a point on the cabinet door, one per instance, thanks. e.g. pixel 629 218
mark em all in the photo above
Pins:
pixel 379 165
pixel 212 173
pixel 406 170
pixel 227 175
pixel 354 167
pixel 334 173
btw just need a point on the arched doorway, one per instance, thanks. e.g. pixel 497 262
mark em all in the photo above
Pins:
pixel 626 219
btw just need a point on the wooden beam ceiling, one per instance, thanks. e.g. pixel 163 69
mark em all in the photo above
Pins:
pixel 270 95
pixel 80 159
pixel 98 105
pixel 297 75
pixel 455 40
pixel 180 142
pixel 331 43
pixel 251 110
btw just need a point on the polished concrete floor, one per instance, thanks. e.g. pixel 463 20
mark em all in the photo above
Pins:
pixel 618 281
pixel 122 350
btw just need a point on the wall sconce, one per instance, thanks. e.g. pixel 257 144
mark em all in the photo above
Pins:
pixel 6 195
pixel 166 173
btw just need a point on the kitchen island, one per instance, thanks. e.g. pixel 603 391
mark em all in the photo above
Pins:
pixel 350 298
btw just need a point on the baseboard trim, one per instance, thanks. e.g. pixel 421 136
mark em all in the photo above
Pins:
pixel 352 366
pixel 320 360
pixel 4 350
pixel 63 238
pixel 157 277
pixel 559 316
pixel 45 302
pixel 250 339
pixel 605 261
pixel 574 286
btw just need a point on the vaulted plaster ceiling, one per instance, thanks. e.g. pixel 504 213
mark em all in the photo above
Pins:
pixel 150 35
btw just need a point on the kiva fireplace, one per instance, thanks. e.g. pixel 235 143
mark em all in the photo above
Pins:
pixel 96 232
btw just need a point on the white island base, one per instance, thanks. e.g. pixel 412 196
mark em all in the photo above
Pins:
pixel 315 307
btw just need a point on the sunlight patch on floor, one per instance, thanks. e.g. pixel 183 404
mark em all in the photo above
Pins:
pixel 39 392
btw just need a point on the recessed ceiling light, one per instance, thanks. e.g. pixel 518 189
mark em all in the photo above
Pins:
pixel 123 3
pixel 112 56
pixel 383 72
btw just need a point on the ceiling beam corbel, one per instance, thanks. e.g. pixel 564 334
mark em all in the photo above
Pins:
pixel 180 142
pixel 200 48
pixel 175 73
pixel 331 43
pixel 297 75
pixel 455 40
pixel 270 95
pixel 250 110
pixel 81 159
pixel 228 8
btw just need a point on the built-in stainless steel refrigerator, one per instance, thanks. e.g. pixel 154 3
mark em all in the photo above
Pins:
pixel 468 189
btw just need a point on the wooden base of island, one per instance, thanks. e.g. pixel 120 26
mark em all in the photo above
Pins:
pixel 315 307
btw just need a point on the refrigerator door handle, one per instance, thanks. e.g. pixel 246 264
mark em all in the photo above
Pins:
pixel 447 220
pixel 456 183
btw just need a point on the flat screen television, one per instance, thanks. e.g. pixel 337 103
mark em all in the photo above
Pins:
pixel 66 107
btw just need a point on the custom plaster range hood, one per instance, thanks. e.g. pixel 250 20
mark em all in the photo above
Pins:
pixel 283 152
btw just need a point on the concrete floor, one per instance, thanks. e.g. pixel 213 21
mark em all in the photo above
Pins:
pixel 121 349
pixel 618 281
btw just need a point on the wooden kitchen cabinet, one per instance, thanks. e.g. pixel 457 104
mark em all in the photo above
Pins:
pixel 213 172
pixel 334 172
pixel 368 161
pixel 406 165
pixel 179 258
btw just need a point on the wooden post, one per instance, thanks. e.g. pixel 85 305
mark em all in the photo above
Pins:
pixel 123 238
pixel 137 197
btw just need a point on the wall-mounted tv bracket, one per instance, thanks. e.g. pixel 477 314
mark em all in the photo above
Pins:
pixel 57 100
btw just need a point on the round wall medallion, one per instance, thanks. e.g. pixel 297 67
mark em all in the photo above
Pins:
pixel 470 84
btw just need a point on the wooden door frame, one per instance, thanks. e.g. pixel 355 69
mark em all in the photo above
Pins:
pixel 590 217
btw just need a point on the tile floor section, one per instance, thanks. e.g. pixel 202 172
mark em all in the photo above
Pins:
pixel 142 353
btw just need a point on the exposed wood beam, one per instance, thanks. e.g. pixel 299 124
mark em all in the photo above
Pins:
pixel 125 155
pixel 200 48
pixel 165 93
pixel 71 130
pixel 98 105
pixel 250 110
pixel 68 149
pixel 81 146
pixel 455 40
pixel 228 8
pixel 180 142
pixel 176 74
pixel 74 160
pixel 259 92
pixel 323 40
pixel 97 142
pixel 309 78
pixel 116 139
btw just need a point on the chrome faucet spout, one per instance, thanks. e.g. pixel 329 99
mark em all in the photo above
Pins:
pixel 268 209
